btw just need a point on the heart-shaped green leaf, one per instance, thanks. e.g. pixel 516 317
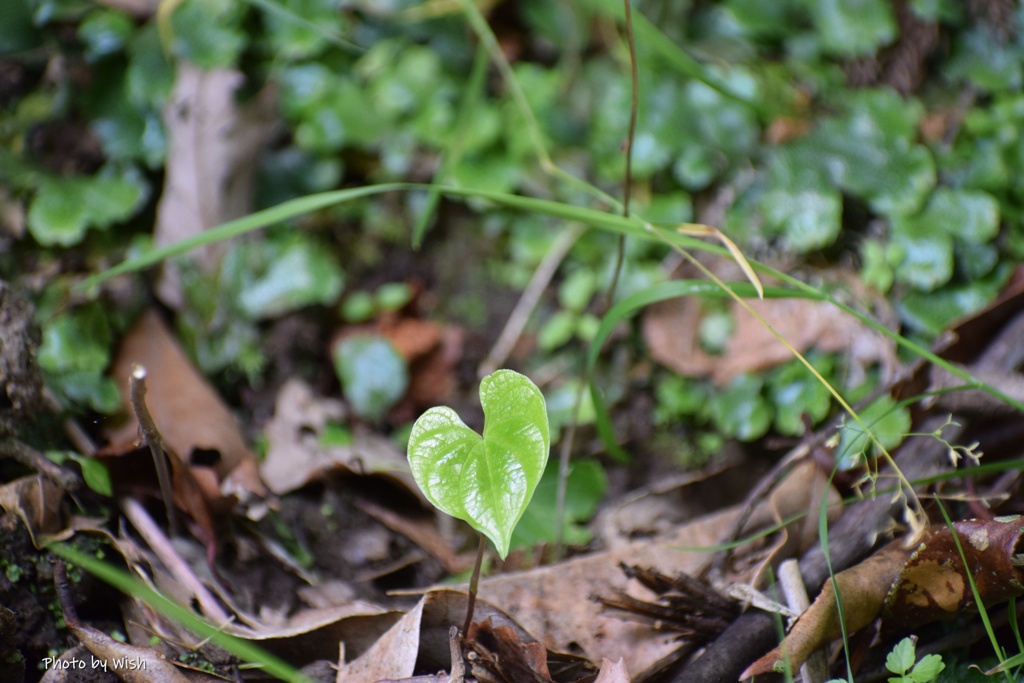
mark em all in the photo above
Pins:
pixel 486 481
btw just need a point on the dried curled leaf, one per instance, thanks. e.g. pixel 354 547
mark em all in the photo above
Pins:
pixel 933 586
pixel 910 587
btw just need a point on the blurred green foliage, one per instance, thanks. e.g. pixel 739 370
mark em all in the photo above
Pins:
pixel 379 90
pixel 585 490
pixel 373 375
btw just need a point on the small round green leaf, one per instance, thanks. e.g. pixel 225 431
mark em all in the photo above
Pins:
pixel 485 481
pixel 373 374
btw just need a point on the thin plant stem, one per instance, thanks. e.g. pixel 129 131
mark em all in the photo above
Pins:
pixel 474 581
pixel 634 105
pixel 483 30
pixel 565 453
pixel 137 391
pixel 627 189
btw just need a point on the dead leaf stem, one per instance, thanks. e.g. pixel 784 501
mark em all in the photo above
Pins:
pixel 172 560
pixel 458 668
pixel 137 391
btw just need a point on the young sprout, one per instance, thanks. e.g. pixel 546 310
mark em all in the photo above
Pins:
pixel 486 481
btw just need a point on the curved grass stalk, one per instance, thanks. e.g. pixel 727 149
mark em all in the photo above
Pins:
pixel 654 39
pixel 918 518
pixel 823 539
pixel 129 585
pixel 593 217
pixel 483 31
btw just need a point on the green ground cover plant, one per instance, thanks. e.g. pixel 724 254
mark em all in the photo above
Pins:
pixel 395 123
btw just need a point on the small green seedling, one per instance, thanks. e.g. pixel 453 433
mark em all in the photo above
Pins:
pixel 486 481
pixel 901 662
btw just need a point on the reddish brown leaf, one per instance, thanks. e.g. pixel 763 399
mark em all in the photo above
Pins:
pixel 431 352
pixel 671 329
pixel 502 656
pixel 933 585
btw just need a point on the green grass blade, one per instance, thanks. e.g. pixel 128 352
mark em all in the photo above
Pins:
pixel 260 219
pixel 129 585
pixel 599 219
pixel 823 539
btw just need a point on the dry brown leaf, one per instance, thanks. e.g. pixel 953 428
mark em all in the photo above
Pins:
pixel 863 588
pixel 315 633
pixel 212 146
pixel 191 417
pixel 613 672
pixel 78 664
pixel 422 637
pixel 910 587
pixel 306 635
pixel 295 456
pixel 302 637
pixel 660 507
pixel 392 656
pixel 802 492
pixel 555 603
pixel 423 533
pixel 130 662
pixel 670 330
pixel 36 500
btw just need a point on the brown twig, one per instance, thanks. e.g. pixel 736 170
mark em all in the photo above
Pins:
pixel 458 669
pixel 137 391
pixel 62 587
pixel 172 560
pixel 30 457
